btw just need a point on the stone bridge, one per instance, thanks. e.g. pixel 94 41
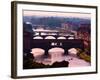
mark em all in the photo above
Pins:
pixel 66 44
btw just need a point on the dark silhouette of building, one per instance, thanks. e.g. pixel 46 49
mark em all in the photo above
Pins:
pixel 27 37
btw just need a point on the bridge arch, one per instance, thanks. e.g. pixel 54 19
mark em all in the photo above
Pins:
pixel 50 37
pixel 56 50
pixel 56 54
pixel 37 37
pixel 71 37
pixel 38 52
pixel 61 38
pixel 72 51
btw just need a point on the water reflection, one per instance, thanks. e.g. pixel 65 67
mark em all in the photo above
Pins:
pixel 56 55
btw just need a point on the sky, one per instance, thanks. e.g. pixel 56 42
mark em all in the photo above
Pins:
pixel 56 14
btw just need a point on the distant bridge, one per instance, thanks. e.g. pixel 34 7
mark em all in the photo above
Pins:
pixel 55 34
pixel 51 31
